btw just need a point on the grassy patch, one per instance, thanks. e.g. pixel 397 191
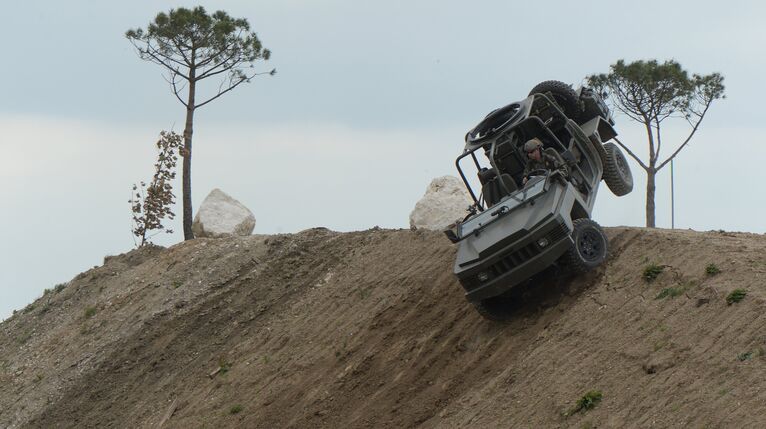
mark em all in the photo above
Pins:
pixel 587 402
pixel 745 356
pixel 45 308
pixel 90 312
pixel 712 269
pixel 235 409
pixel 736 295
pixel 651 272
pixel 671 292
pixel 223 366
pixel 23 338
pixel 176 284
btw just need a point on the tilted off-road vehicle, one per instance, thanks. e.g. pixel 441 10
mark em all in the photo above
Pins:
pixel 515 230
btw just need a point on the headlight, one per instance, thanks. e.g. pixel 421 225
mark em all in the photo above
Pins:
pixel 483 277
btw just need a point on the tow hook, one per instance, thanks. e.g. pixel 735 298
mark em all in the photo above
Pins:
pixel 500 211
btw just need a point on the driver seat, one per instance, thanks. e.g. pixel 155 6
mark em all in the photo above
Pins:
pixel 494 188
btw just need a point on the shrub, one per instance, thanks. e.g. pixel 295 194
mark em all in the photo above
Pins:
pixel 670 292
pixel 90 312
pixel 223 366
pixel 151 203
pixel 712 269
pixel 736 295
pixel 587 402
pixel 651 272
pixel 236 409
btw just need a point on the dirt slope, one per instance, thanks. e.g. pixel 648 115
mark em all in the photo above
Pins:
pixel 370 329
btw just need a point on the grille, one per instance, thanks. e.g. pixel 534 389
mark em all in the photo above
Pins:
pixel 522 255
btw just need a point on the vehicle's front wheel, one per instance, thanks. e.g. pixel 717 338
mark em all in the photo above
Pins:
pixel 589 249
pixel 496 308
pixel 617 173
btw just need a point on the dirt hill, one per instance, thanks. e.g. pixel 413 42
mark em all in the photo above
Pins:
pixel 370 329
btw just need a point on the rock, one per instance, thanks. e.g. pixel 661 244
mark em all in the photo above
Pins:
pixel 444 202
pixel 221 215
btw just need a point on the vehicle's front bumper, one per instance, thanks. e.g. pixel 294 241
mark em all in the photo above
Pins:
pixel 517 262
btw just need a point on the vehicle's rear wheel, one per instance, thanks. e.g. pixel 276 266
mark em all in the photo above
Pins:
pixel 563 95
pixel 589 249
pixel 617 173
pixel 496 308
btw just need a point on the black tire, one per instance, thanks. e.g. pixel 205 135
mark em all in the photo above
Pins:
pixel 496 308
pixel 589 249
pixel 617 173
pixel 563 95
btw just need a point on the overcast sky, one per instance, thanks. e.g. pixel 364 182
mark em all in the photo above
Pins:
pixel 371 101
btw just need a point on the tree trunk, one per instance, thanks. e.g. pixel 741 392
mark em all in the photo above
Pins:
pixel 188 131
pixel 650 187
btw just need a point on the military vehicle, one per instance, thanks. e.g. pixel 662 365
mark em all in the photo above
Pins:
pixel 516 229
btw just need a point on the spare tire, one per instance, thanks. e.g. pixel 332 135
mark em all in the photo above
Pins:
pixel 617 173
pixel 563 95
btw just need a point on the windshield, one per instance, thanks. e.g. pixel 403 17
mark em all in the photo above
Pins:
pixel 535 187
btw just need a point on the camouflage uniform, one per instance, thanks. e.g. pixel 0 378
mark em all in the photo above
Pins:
pixel 549 160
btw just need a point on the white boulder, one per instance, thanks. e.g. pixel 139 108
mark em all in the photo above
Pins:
pixel 221 215
pixel 444 202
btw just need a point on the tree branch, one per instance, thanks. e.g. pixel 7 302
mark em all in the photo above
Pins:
pixel 175 92
pixel 633 155
pixel 688 138
pixel 232 86
pixel 207 73
pixel 659 136
pixel 220 93
pixel 157 56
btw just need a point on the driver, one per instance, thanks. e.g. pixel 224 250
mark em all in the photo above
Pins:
pixel 541 159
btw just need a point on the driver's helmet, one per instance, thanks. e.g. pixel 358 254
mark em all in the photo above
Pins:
pixel 532 144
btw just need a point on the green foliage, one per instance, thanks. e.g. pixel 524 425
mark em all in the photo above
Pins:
pixel 587 402
pixel 712 269
pixel 235 409
pixel 363 293
pixel 22 338
pixel 59 287
pixel 194 45
pixel 191 46
pixel 223 366
pixel 650 92
pixel 90 312
pixel 651 272
pixel 736 295
pixel 670 292
pixel 151 204
pixel 744 356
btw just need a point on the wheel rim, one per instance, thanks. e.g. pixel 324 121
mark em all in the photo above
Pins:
pixel 590 245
